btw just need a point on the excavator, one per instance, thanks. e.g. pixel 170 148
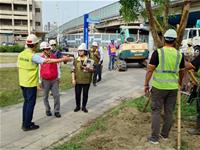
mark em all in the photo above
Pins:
pixel 134 46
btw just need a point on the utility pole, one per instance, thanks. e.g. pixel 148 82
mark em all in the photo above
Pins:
pixel 58 32
pixel 28 16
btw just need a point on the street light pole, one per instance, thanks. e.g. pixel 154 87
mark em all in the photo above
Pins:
pixel 28 16
pixel 58 32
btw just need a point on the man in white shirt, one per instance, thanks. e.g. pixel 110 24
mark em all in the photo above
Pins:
pixel 100 49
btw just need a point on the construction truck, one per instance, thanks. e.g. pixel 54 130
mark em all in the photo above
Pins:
pixel 134 47
pixel 192 35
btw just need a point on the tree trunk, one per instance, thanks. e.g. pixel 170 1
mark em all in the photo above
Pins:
pixel 183 22
pixel 166 15
pixel 157 41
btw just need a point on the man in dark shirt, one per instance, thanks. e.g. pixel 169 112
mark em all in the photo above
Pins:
pixel 195 64
pixel 166 66
pixel 155 61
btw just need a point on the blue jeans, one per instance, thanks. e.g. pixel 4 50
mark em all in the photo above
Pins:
pixel 111 62
pixel 29 94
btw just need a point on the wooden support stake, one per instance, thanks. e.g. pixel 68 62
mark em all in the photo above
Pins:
pixel 179 119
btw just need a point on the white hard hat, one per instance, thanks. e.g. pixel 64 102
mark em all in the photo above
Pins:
pixel 95 44
pixel 189 42
pixel 44 45
pixel 82 47
pixel 171 33
pixel 52 42
pixel 32 39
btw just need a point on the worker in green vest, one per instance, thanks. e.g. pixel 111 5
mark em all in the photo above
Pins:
pixel 95 55
pixel 28 62
pixel 82 77
pixel 195 65
pixel 167 67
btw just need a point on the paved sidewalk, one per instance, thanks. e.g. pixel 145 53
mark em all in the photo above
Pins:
pixel 101 98
pixel 106 95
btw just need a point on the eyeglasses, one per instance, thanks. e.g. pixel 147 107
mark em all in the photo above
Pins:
pixel 47 49
pixel 53 45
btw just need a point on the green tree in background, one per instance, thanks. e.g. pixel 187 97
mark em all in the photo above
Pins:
pixel 152 10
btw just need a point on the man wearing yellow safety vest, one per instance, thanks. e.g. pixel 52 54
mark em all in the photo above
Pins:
pixel 195 64
pixel 167 67
pixel 28 78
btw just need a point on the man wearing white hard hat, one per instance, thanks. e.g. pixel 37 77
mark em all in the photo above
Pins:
pixel 82 77
pixel 190 51
pixel 95 55
pixel 167 67
pixel 49 78
pixel 27 63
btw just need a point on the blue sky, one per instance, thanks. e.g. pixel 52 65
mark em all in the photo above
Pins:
pixel 62 11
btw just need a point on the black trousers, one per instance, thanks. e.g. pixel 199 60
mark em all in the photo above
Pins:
pixel 96 72
pixel 78 91
pixel 198 106
pixel 195 94
pixel 100 70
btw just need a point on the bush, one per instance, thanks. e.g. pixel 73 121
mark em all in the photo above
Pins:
pixel 12 49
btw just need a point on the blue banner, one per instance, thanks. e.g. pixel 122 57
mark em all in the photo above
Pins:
pixel 85 32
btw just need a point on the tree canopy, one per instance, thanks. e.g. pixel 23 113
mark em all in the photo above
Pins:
pixel 157 12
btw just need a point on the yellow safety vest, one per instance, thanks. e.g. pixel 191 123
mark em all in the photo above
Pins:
pixel 166 74
pixel 28 71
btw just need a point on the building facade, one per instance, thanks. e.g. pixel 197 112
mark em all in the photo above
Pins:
pixel 14 19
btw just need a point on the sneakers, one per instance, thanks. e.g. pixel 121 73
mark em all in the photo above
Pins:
pixel 31 127
pixel 94 84
pixel 152 140
pixel 76 109
pixel 48 113
pixel 85 110
pixel 194 131
pixel 57 115
pixel 163 138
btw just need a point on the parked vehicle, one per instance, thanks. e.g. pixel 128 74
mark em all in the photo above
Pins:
pixel 7 44
pixel 193 35
pixel 134 47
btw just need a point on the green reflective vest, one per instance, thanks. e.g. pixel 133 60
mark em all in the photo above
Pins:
pixel 93 56
pixel 81 76
pixel 28 71
pixel 166 74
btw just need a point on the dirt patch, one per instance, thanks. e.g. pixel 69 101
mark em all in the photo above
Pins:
pixel 129 130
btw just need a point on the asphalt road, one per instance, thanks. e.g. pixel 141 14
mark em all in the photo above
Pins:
pixel 114 87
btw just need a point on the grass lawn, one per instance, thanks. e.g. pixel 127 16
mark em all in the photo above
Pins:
pixel 8 59
pixel 98 128
pixel 10 92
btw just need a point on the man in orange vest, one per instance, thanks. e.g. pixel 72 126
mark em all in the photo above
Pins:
pixel 112 54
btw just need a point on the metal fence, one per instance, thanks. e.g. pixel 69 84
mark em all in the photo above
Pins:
pixel 73 40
